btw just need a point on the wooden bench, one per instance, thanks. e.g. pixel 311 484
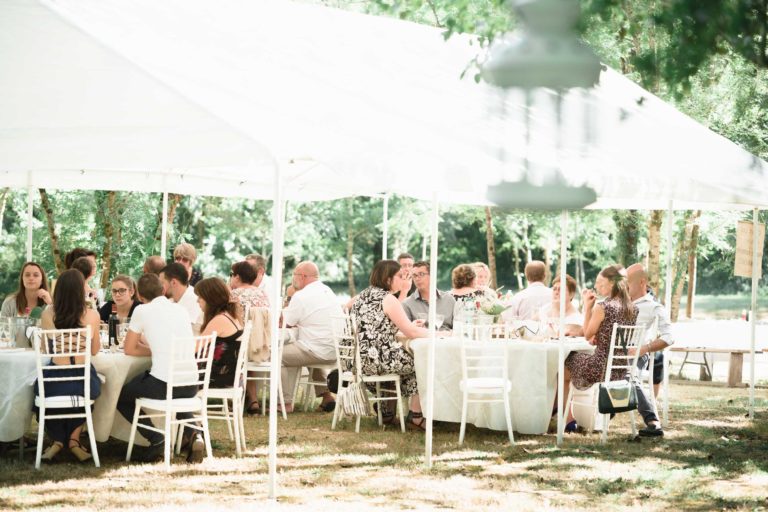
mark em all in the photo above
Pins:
pixel 705 372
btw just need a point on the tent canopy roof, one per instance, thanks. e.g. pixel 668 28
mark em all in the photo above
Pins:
pixel 206 98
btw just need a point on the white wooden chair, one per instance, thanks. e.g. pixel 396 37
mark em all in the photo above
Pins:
pixel 65 343
pixel 306 383
pixel 484 375
pixel 189 365
pixel 347 354
pixel 263 372
pixel 624 337
pixel 222 411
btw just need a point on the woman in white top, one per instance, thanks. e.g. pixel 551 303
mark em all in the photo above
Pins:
pixel 573 319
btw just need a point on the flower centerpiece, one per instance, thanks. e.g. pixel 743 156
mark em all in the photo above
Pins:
pixel 492 307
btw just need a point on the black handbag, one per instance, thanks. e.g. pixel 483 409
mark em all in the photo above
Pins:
pixel 617 396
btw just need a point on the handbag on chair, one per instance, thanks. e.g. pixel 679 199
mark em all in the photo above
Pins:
pixel 616 396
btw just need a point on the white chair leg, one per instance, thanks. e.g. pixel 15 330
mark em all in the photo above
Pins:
pixel 40 435
pixel 227 417
pixel 282 399
pixel 335 418
pixel 357 424
pixel 178 433
pixel 463 428
pixel 167 441
pixel 238 449
pixel 632 421
pixel 604 434
pixel 242 422
pixel 206 434
pixel 132 437
pixel 400 405
pixel 508 417
pixel 380 404
pixel 92 436
pixel 263 396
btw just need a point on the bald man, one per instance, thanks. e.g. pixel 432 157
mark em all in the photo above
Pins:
pixel 154 264
pixel 649 311
pixel 526 303
pixel 311 310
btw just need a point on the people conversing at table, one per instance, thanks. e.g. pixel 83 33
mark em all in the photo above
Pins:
pixel 69 311
pixel 550 312
pixel 175 280
pixel 186 255
pixel 527 303
pixel 222 315
pixel 31 293
pixel 416 306
pixel 242 281
pixel 123 300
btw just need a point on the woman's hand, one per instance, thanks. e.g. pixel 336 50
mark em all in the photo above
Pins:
pixel 588 298
pixel 44 296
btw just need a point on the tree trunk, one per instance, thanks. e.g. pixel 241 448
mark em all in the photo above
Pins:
pixel 627 232
pixel 491 246
pixel 52 231
pixel 350 261
pixel 109 230
pixel 173 203
pixel 526 242
pixel 680 264
pixel 693 244
pixel 547 263
pixel 654 250
pixel 3 202
pixel 516 263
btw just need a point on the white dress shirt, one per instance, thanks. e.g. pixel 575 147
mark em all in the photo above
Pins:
pixel 266 286
pixel 161 322
pixel 649 309
pixel 526 303
pixel 311 310
pixel 189 302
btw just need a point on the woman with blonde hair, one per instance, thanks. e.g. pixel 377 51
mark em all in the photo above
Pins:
pixel 221 314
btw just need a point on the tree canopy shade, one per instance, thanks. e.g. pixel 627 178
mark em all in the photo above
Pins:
pixel 197 98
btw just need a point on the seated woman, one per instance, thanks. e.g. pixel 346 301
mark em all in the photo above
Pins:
pixel 242 277
pixel 69 312
pixel 483 278
pixel 379 316
pixel 585 370
pixel 573 319
pixel 87 267
pixel 222 315
pixel 32 292
pixel 464 290
pixel 123 296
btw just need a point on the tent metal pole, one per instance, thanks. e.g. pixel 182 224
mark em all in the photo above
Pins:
pixel 164 227
pixel 278 220
pixel 385 227
pixel 30 219
pixel 756 267
pixel 560 350
pixel 668 304
pixel 432 332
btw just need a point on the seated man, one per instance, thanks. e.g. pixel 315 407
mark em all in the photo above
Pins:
pixel 311 310
pixel 175 281
pixel 160 322
pixel 526 303
pixel 154 264
pixel 417 304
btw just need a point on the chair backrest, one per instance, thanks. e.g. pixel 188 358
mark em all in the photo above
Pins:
pixel 190 363
pixel 344 340
pixel 483 359
pixel 70 344
pixel 242 353
pixel 624 338
pixel 258 339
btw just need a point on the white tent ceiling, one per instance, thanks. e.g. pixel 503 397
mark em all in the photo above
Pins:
pixel 202 97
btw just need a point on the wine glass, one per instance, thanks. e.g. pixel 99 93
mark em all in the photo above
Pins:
pixel 553 323
pixel 439 321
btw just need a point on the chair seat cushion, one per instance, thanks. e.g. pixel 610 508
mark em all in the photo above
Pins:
pixel 62 402
pixel 177 404
pixel 483 384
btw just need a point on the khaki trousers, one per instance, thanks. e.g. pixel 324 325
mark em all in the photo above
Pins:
pixel 294 358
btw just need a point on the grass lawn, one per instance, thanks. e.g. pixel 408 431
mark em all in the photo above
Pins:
pixel 711 457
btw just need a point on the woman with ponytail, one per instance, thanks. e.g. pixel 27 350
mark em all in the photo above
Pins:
pixel 585 370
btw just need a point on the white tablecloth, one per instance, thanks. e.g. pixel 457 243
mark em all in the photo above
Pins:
pixel 532 371
pixel 18 374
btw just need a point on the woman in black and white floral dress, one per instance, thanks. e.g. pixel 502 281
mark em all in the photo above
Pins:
pixel 379 316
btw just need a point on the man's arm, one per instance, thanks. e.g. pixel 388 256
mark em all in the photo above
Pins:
pixel 133 347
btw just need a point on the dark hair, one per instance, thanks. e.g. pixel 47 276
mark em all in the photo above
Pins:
pixel 129 281
pixel 620 291
pixel 570 283
pixel 245 271
pixel 21 295
pixel 150 286
pixel 422 264
pixel 218 299
pixel 382 274
pixel 535 271
pixel 404 255
pixel 462 276
pixel 85 266
pixel 176 271
pixel 69 300
pixel 77 252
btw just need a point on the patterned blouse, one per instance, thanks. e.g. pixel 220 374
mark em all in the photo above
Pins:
pixel 251 296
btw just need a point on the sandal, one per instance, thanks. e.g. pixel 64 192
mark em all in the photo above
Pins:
pixel 254 407
pixel 416 421
pixel 50 454
pixel 79 451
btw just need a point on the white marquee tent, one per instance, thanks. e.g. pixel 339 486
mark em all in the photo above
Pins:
pixel 278 99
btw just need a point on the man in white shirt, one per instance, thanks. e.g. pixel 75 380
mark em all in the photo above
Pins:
pixel 526 303
pixel 175 281
pixel 649 311
pixel 263 282
pixel 311 310
pixel 160 322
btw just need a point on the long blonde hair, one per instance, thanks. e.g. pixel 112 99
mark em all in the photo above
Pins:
pixel 619 290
